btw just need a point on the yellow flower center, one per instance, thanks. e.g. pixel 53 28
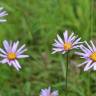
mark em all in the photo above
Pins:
pixel 93 56
pixel 67 46
pixel 11 56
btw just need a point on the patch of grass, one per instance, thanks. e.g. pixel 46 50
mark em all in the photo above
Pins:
pixel 36 23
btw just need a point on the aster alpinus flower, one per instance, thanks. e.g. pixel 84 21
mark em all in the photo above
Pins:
pixel 47 92
pixel 12 53
pixel 68 43
pixel 2 14
pixel 89 54
pixel 65 45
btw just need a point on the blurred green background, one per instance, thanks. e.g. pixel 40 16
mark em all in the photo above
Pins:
pixel 36 23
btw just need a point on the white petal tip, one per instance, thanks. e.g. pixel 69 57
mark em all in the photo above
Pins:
pixel 53 52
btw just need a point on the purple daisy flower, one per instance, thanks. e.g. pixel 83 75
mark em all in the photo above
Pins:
pixel 47 92
pixel 89 54
pixel 12 53
pixel 2 14
pixel 67 44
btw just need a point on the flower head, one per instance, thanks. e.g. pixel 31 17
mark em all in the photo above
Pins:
pixel 47 92
pixel 2 14
pixel 12 53
pixel 89 54
pixel 67 44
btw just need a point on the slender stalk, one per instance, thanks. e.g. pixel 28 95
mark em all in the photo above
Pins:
pixel 67 58
pixel 89 83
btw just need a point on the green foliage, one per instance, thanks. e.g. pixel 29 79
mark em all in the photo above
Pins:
pixel 36 23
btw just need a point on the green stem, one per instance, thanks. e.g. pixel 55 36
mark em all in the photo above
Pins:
pixel 89 74
pixel 67 58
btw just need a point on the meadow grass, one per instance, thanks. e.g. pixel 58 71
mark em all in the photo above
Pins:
pixel 36 23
